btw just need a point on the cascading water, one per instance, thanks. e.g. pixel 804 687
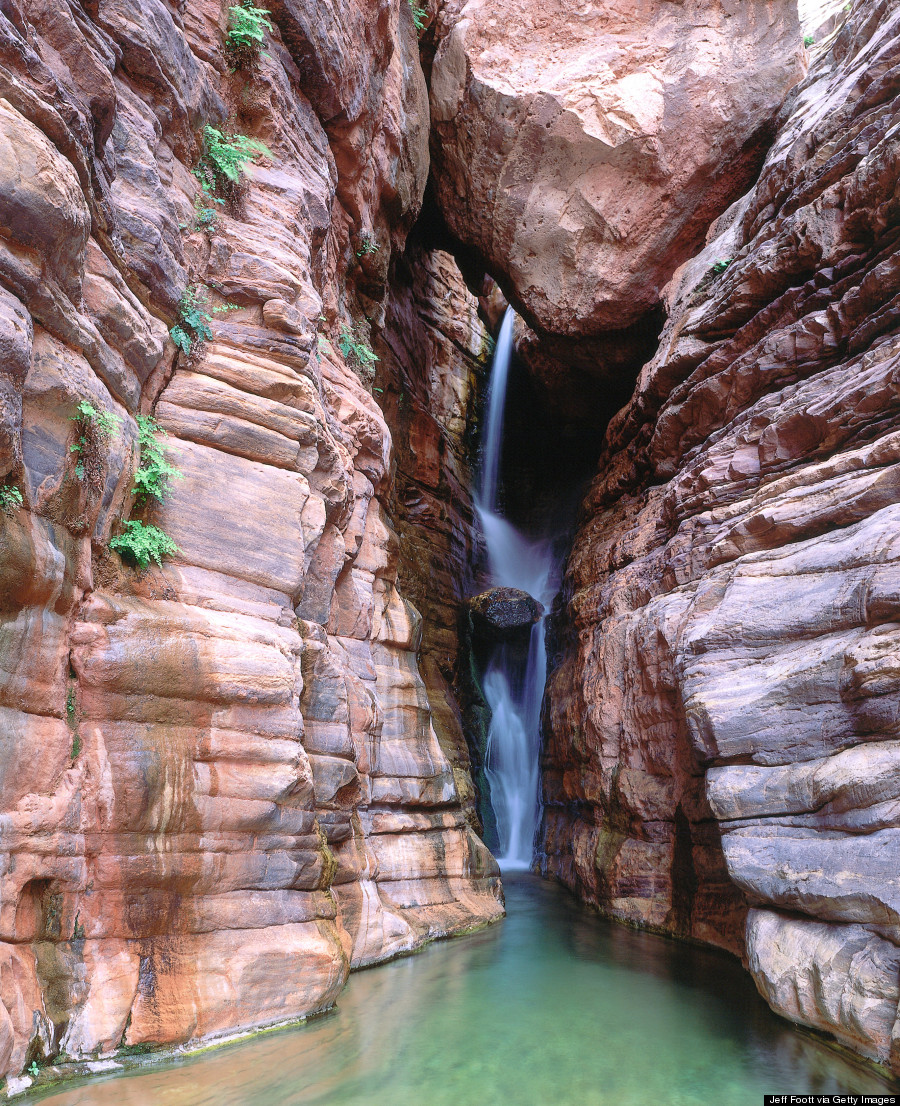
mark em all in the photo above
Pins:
pixel 513 689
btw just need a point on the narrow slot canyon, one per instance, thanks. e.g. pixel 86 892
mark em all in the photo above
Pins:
pixel 449 498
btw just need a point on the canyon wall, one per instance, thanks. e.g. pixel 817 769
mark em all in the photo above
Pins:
pixel 227 779
pixel 221 781
pixel 721 726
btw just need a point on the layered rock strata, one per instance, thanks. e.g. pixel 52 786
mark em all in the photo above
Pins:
pixel 221 784
pixel 723 723
pixel 434 355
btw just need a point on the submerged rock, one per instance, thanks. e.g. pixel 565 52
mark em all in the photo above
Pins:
pixel 504 613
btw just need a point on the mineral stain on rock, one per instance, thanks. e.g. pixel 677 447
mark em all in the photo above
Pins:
pixel 270 781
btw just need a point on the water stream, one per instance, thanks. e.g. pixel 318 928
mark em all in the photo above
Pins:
pixel 554 1006
pixel 513 689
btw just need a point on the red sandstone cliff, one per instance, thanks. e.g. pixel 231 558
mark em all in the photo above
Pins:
pixel 221 785
pixel 224 782
pixel 720 756
pixel 723 723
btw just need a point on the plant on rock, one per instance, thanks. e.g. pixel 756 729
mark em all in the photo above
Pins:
pixel 195 318
pixel 367 246
pixel 247 26
pixel 716 269
pixel 154 473
pixel 420 16
pixel 357 352
pixel 141 543
pixel 10 498
pixel 205 218
pixel 92 426
pixel 224 161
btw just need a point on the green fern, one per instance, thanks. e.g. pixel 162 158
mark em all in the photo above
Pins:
pixel 154 473
pixel 10 498
pixel 354 349
pixel 224 160
pixel 195 318
pixel 367 246
pixel 205 218
pixel 420 16
pixel 92 425
pixel 142 544
pixel 247 26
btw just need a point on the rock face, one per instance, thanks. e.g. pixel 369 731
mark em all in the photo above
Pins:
pixel 227 779
pixel 724 719
pixel 221 784
pixel 434 353
pixel 584 150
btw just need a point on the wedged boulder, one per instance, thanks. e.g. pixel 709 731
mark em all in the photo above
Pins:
pixel 502 614
pixel 584 152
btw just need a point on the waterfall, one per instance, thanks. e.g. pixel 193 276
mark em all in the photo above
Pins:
pixel 513 688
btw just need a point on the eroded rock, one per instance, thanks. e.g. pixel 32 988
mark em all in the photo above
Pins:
pixel 221 786
pixel 584 151
pixel 724 715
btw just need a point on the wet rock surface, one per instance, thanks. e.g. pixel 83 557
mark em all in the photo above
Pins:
pixel 723 717
pixel 502 614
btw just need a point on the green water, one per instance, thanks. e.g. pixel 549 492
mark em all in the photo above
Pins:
pixel 552 1007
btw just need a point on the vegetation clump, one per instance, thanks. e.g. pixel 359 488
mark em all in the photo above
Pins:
pixel 358 353
pixel 10 498
pixel 205 218
pixel 154 472
pixel 716 269
pixel 142 543
pixel 224 160
pixel 367 246
pixel 194 326
pixel 246 34
pixel 72 720
pixel 92 429
pixel 420 16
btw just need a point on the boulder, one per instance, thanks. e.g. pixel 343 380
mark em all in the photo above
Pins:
pixel 584 150
pixel 501 614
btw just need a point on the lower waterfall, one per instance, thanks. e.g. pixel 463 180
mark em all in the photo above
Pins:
pixel 513 685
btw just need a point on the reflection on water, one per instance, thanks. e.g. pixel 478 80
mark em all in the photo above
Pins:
pixel 553 1007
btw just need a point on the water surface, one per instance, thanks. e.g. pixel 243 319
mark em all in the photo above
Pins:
pixel 552 1007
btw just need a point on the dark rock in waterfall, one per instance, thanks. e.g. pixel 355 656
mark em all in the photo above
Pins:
pixel 501 614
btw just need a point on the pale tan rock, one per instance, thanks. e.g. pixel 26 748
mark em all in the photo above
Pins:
pixel 840 979
pixel 584 151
